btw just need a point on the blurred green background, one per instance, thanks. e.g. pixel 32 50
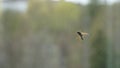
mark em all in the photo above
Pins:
pixel 43 34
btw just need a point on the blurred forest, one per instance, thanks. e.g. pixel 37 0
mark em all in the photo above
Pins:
pixel 44 36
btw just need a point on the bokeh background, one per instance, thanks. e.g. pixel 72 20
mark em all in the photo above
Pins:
pixel 42 33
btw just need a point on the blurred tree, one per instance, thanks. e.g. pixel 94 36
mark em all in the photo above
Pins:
pixel 65 19
pixel 2 53
pixel 14 30
pixel 90 14
pixel 93 7
pixel 109 35
pixel 98 38
pixel 115 34
pixel 65 15
pixel 38 12
pixel 0 9
pixel 56 20
pixel 40 17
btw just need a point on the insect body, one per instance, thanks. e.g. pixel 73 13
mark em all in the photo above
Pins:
pixel 81 34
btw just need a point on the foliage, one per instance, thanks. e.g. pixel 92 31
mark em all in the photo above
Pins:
pixel 45 35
